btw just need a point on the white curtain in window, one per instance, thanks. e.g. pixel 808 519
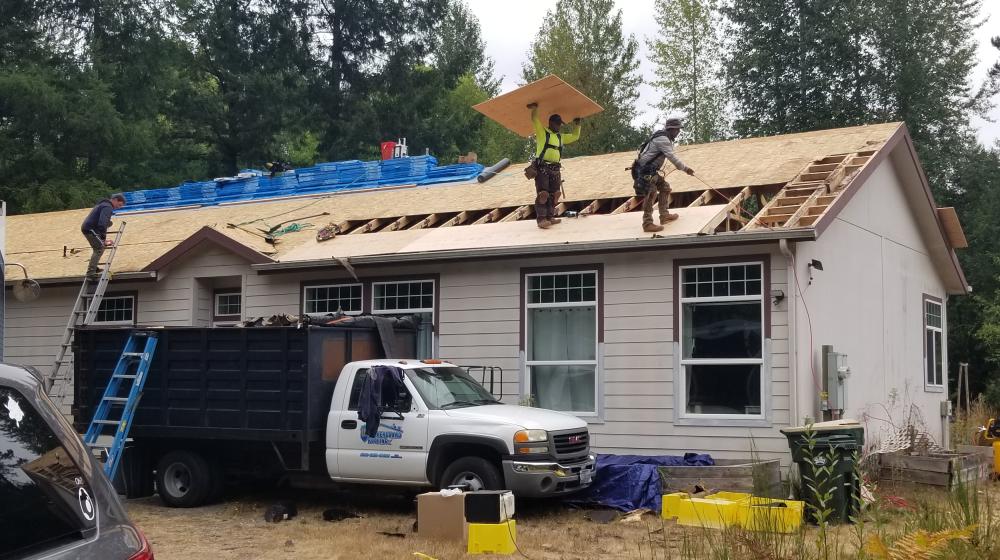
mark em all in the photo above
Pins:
pixel 562 335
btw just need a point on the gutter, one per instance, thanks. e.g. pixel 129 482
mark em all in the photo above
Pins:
pixel 642 243
pixel 79 279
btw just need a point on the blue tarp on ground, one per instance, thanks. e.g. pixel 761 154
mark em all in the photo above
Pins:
pixel 628 482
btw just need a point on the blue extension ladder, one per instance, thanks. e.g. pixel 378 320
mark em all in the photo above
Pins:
pixel 125 405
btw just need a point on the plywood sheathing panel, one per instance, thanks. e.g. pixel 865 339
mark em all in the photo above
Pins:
pixel 552 95
pixel 952 228
pixel 600 227
pixel 37 240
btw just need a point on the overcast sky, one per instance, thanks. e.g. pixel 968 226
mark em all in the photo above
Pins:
pixel 509 26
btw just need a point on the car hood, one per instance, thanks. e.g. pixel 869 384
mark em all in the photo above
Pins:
pixel 527 417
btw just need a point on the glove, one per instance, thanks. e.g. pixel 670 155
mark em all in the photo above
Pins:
pixel 690 171
pixel 532 105
pixel 577 121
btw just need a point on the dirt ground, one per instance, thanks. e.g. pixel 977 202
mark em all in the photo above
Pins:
pixel 236 529
pixel 546 530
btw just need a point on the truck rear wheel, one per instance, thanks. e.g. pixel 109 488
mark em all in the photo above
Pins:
pixel 475 473
pixel 184 479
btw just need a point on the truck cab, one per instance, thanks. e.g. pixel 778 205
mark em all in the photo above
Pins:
pixel 444 429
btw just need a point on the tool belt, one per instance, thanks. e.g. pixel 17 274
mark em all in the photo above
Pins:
pixel 540 166
pixel 642 178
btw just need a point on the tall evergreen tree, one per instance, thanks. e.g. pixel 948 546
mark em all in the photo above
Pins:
pixel 363 41
pixel 582 42
pixel 687 55
pixel 247 84
pixel 795 65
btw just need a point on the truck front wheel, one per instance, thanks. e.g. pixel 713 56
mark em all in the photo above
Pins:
pixel 184 479
pixel 475 473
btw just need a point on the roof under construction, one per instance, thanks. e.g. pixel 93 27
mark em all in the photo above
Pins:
pixel 747 189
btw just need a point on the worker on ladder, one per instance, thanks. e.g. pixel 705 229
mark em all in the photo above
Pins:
pixel 649 182
pixel 95 229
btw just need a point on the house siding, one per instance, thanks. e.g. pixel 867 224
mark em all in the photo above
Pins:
pixel 868 303
pixel 479 322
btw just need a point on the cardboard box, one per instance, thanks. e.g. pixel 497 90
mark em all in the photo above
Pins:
pixel 442 517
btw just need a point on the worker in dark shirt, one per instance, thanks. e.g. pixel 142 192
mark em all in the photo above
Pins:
pixel 95 229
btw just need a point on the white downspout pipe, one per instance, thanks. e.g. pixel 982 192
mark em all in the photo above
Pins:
pixel 793 363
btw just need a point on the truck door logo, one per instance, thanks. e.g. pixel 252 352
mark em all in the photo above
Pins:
pixel 386 434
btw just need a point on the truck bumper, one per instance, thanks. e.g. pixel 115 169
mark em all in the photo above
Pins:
pixel 534 479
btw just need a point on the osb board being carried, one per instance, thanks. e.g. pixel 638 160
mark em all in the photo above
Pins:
pixel 553 95
pixel 37 240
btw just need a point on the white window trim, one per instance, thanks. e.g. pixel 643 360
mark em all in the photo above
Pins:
pixel 408 310
pixel 923 308
pixel 113 323
pixel 597 345
pixel 682 412
pixel 305 298
pixel 219 295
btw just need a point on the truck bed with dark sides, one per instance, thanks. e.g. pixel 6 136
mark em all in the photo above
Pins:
pixel 257 383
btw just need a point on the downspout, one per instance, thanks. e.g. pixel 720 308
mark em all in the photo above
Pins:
pixel 793 362
pixel 946 403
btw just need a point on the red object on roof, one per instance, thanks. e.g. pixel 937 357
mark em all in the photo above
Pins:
pixel 387 149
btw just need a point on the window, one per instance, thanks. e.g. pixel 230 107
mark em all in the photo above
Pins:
pixel 721 340
pixel 116 309
pixel 933 343
pixel 228 305
pixel 403 297
pixel 401 401
pixel 561 340
pixel 409 297
pixel 46 500
pixel 333 298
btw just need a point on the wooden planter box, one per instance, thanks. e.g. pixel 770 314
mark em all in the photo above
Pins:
pixel 935 469
pixel 732 475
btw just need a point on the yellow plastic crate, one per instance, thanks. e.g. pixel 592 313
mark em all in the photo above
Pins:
pixel 490 538
pixel 772 516
pixel 733 509
pixel 716 511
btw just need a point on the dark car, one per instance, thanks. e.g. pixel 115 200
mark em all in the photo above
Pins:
pixel 55 501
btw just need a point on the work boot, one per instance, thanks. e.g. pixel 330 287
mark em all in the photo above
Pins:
pixel 554 221
pixel 668 217
pixel 544 224
pixel 651 227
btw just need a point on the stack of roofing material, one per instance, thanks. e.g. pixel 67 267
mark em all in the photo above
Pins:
pixel 325 177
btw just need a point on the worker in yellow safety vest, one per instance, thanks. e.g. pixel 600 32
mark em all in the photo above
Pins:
pixel 549 144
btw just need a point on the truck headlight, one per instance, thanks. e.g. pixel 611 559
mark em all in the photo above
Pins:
pixel 531 436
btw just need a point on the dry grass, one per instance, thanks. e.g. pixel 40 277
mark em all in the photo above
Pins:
pixel 546 530
pixel 236 530
pixel 967 423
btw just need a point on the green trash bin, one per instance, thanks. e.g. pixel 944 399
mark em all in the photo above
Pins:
pixel 826 467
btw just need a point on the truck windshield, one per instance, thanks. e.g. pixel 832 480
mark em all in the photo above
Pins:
pixel 449 387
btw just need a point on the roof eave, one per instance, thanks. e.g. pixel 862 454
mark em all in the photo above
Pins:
pixel 644 243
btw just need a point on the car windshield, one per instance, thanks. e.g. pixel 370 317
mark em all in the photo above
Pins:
pixel 448 387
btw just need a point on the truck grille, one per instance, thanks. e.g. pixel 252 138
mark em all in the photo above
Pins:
pixel 571 444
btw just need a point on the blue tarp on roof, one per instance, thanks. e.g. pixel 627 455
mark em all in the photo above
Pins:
pixel 330 177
